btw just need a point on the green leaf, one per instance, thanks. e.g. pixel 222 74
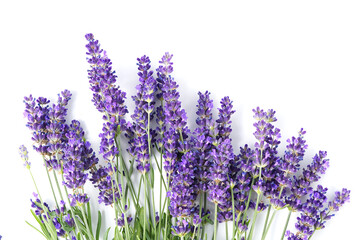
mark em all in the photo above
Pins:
pixel 137 227
pixel 66 227
pixel 36 229
pixel 142 212
pixel 42 225
pixel 118 130
pixel 89 218
pixel 152 174
pixel 98 228
pixel 106 234
pixel 83 230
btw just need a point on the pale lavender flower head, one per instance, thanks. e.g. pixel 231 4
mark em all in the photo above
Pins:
pixel 24 156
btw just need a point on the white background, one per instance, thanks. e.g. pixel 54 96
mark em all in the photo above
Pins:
pixel 299 58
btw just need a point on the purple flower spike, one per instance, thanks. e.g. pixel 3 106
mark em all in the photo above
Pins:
pixel 202 139
pixel 218 188
pixel 107 97
pixel 184 188
pixel 181 229
pixel 301 185
pixel 310 217
pixel 175 116
pixel 339 200
pixel 143 113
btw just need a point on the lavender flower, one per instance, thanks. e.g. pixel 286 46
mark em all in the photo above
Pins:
pixel 223 168
pixel 244 178
pixel 41 208
pixel 176 117
pixel 218 189
pixel 184 188
pixel 202 139
pixel 78 199
pixel 288 166
pixel 101 178
pixel 121 220
pixel 48 126
pixel 24 156
pixel 107 97
pixel 144 102
pixel 79 158
pixel 110 100
pixel 309 218
pixel 301 185
pixel 36 112
pixel 181 229
pixel 339 200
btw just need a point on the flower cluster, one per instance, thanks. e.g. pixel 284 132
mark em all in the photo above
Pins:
pixel 314 214
pixel 79 158
pixel 199 169
pixel 60 217
pixel 48 126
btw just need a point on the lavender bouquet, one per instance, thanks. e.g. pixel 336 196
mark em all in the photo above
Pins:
pixel 188 179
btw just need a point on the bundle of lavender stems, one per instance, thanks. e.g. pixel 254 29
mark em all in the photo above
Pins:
pixel 201 181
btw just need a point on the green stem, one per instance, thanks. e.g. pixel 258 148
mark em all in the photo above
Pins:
pixel 248 201
pixel 123 199
pixel 200 206
pixel 319 224
pixel 194 232
pixel 215 221
pixel 237 221
pixel 72 212
pixel 86 223
pixel 49 225
pixel 127 174
pixel 266 222
pixel 154 211
pixel 226 230
pixel 36 229
pixel 144 206
pixel 166 203
pixel 149 154
pixel 254 217
pixel 161 212
pixel 58 186
pixel 233 214
pixel 270 223
pixel 52 188
pixel 286 224
pixel 204 209
pixel 160 167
